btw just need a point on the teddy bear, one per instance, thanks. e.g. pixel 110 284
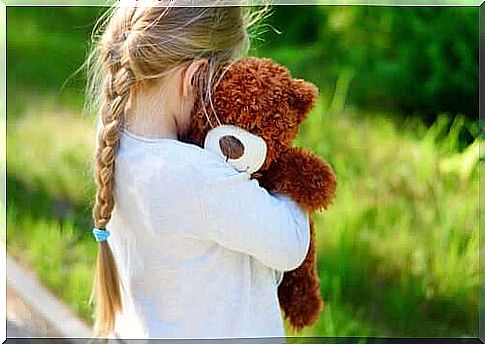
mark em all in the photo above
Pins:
pixel 260 97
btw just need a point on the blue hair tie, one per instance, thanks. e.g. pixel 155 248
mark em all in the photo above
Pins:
pixel 100 234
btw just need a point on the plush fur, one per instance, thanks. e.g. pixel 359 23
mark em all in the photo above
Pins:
pixel 261 97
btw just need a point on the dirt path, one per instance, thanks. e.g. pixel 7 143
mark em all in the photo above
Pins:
pixel 34 311
pixel 22 321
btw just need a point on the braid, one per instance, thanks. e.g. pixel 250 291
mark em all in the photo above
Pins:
pixel 116 94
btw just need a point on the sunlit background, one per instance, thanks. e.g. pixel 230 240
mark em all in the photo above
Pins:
pixel 396 118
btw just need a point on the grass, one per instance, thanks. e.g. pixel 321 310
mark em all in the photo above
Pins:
pixel 48 190
pixel 400 234
pixel 397 251
pixel 59 253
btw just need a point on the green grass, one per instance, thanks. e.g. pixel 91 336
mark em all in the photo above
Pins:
pixel 61 255
pixel 401 239
pixel 48 198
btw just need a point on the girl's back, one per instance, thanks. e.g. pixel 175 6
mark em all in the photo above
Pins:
pixel 178 280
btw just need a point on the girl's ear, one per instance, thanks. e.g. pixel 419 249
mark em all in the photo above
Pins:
pixel 188 75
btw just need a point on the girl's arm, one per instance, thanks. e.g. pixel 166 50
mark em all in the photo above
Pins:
pixel 240 215
pixel 197 194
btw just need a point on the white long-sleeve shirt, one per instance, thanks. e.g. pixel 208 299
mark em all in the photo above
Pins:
pixel 197 244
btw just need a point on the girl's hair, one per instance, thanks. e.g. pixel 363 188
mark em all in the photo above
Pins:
pixel 132 44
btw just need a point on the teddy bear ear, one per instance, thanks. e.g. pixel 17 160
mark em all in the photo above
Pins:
pixel 303 96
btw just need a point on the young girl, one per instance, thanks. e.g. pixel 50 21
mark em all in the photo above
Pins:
pixel 188 246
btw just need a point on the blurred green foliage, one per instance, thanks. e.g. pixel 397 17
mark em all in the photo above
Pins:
pixel 398 249
pixel 44 51
pixel 421 60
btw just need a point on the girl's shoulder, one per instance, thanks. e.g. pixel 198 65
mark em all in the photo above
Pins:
pixel 171 156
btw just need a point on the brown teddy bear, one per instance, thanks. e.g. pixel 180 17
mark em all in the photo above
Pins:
pixel 262 98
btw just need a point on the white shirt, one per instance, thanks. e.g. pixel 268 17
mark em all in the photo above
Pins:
pixel 197 244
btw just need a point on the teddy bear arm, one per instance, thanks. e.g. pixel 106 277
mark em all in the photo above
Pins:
pixel 304 177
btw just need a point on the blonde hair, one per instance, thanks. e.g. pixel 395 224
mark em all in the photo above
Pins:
pixel 137 44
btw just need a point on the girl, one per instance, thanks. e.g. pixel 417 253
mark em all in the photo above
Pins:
pixel 195 245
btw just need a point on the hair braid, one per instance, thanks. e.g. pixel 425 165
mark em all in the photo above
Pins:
pixel 117 86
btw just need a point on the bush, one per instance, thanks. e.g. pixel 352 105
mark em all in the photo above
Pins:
pixel 410 59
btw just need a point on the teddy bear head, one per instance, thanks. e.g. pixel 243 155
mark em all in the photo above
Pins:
pixel 259 96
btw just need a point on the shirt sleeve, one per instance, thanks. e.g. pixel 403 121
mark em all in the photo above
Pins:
pixel 242 216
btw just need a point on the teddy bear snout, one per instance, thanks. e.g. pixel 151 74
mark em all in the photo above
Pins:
pixel 231 147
